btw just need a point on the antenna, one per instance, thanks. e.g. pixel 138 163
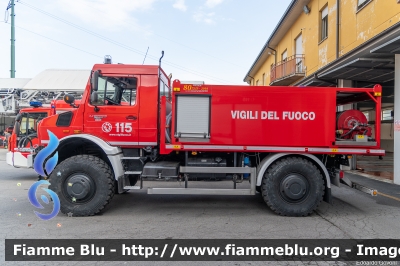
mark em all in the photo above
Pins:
pixel 145 55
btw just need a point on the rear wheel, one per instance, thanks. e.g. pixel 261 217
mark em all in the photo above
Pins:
pixel 293 186
pixel 84 184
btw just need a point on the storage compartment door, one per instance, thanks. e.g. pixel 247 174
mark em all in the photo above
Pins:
pixel 193 118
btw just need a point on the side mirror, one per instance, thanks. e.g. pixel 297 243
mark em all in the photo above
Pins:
pixel 18 118
pixel 70 99
pixel 95 78
pixel 94 98
pixel 17 127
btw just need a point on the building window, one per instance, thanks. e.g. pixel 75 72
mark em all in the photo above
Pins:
pixel 362 3
pixel 283 64
pixel 263 80
pixel 298 42
pixel 324 23
pixel 284 56
pixel 387 114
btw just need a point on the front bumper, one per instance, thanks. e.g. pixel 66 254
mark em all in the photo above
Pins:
pixel 23 159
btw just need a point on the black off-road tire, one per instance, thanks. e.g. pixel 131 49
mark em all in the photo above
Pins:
pixel 84 185
pixel 293 186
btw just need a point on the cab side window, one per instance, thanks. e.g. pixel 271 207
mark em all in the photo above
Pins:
pixel 118 91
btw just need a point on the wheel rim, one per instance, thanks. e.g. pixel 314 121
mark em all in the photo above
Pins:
pixel 294 188
pixel 79 188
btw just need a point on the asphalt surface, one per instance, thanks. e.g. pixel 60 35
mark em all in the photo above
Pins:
pixel 137 215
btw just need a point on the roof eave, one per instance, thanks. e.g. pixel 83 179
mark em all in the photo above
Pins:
pixel 255 67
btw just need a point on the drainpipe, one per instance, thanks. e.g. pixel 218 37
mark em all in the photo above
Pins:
pixel 274 53
pixel 251 78
pixel 337 27
pixel 275 60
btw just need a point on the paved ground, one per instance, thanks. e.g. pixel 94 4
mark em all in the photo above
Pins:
pixel 138 215
pixel 378 168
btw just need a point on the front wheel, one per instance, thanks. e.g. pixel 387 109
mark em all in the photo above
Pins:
pixel 84 184
pixel 293 186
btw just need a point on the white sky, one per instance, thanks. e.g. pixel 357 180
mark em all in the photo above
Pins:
pixel 215 41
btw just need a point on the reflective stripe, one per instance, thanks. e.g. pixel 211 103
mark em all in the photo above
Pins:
pixel 277 149
pixel 213 147
pixel 377 151
pixel 336 150
pixel 171 146
pixel 121 143
pixel 133 143
pixel 148 143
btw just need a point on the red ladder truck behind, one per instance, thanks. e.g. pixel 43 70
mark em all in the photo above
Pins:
pixel 24 134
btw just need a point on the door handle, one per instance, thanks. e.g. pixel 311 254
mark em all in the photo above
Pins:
pixel 131 117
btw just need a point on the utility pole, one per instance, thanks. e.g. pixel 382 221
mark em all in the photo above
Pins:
pixel 11 6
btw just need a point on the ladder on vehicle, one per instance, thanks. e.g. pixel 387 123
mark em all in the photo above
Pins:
pixel 125 186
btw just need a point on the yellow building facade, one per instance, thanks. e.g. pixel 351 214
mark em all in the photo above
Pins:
pixel 314 33
pixel 341 43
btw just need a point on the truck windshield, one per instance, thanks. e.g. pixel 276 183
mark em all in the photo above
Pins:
pixel 115 91
pixel 29 123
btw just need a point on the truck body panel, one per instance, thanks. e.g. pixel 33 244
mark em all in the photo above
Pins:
pixel 266 119
pixel 259 116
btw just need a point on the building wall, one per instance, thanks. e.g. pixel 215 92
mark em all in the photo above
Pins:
pixel 360 26
pixel 6 121
pixel 387 133
pixel 356 27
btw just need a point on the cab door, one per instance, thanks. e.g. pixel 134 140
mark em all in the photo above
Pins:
pixel 112 111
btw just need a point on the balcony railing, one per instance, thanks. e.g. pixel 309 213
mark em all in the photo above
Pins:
pixel 288 71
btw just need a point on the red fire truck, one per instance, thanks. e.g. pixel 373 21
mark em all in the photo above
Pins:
pixel 24 135
pixel 132 125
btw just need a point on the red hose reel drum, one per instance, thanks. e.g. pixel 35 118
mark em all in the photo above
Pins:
pixel 351 123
